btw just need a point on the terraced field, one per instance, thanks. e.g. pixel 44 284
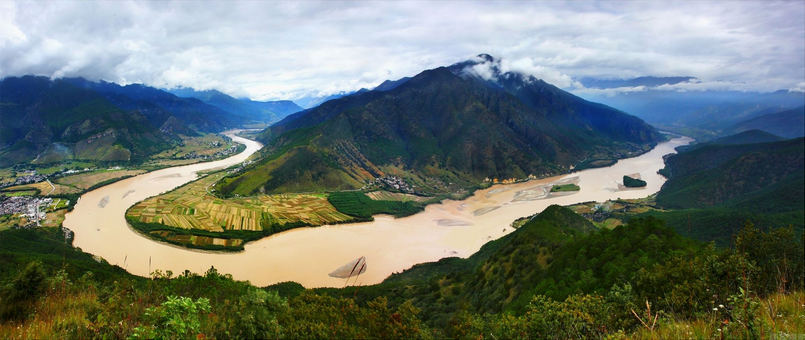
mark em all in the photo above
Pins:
pixel 193 207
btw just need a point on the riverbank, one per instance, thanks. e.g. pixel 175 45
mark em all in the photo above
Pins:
pixel 306 255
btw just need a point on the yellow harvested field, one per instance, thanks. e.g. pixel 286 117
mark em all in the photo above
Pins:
pixel 45 188
pixel 88 179
pixel 394 196
pixel 192 207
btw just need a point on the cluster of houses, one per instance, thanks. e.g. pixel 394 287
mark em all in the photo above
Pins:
pixel 225 152
pixel 32 207
pixel 31 177
pixel 395 183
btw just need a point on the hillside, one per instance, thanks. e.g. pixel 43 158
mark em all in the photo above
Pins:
pixel 714 189
pixel 159 106
pixel 788 123
pixel 46 121
pixel 714 175
pixel 444 130
pixel 745 137
pixel 260 111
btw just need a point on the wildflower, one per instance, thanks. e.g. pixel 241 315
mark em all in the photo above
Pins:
pixel 720 306
pixel 715 309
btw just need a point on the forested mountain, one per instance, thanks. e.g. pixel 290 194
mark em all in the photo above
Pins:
pixel 718 174
pixel 53 120
pixel 713 189
pixel 445 129
pixel 788 123
pixel 260 111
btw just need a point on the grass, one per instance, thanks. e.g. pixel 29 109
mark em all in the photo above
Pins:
pixel 779 316
pixel 191 210
pixel 565 187
pixel 23 192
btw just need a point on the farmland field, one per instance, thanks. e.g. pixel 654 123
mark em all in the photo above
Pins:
pixel 192 207
pixel 44 188
pixel 381 195
pixel 88 179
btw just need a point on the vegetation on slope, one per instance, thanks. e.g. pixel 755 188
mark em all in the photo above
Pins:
pixel 764 177
pixel 788 123
pixel 592 285
pixel 47 121
pixel 440 132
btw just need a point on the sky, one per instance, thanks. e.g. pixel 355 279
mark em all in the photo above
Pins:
pixel 270 50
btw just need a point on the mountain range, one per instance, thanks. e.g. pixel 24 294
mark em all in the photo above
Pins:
pixel 261 111
pixel 46 120
pixel 787 123
pixel 444 130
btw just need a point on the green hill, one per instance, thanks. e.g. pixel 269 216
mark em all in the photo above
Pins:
pixel 443 130
pixel 730 175
pixel 715 189
pixel 45 121
pixel 49 120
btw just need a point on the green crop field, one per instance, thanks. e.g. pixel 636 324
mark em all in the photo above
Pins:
pixel 358 204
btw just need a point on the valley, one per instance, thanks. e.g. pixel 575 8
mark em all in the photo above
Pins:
pixel 471 169
pixel 446 229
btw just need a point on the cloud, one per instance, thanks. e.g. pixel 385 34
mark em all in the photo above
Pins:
pixel 272 50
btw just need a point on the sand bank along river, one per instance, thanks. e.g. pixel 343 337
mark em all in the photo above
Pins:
pixel 307 255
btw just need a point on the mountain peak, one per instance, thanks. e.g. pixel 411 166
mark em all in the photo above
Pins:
pixel 485 57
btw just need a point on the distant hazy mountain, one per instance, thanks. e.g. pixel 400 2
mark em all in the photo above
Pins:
pixel 443 130
pixel 261 111
pixel 313 101
pixel 716 111
pixel 746 137
pixel 155 104
pixel 632 82
pixel 788 123
pixel 45 120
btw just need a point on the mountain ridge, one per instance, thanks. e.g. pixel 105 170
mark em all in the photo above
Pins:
pixel 439 131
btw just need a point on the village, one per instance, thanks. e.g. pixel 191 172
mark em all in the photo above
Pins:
pixel 31 207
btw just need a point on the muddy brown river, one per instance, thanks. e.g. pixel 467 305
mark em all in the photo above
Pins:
pixel 307 255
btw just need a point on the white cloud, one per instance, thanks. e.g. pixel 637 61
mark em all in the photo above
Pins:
pixel 268 50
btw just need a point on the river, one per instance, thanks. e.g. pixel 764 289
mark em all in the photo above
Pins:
pixel 307 255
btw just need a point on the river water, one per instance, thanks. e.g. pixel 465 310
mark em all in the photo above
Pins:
pixel 307 255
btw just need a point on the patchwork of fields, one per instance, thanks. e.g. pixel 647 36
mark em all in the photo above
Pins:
pixel 193 207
